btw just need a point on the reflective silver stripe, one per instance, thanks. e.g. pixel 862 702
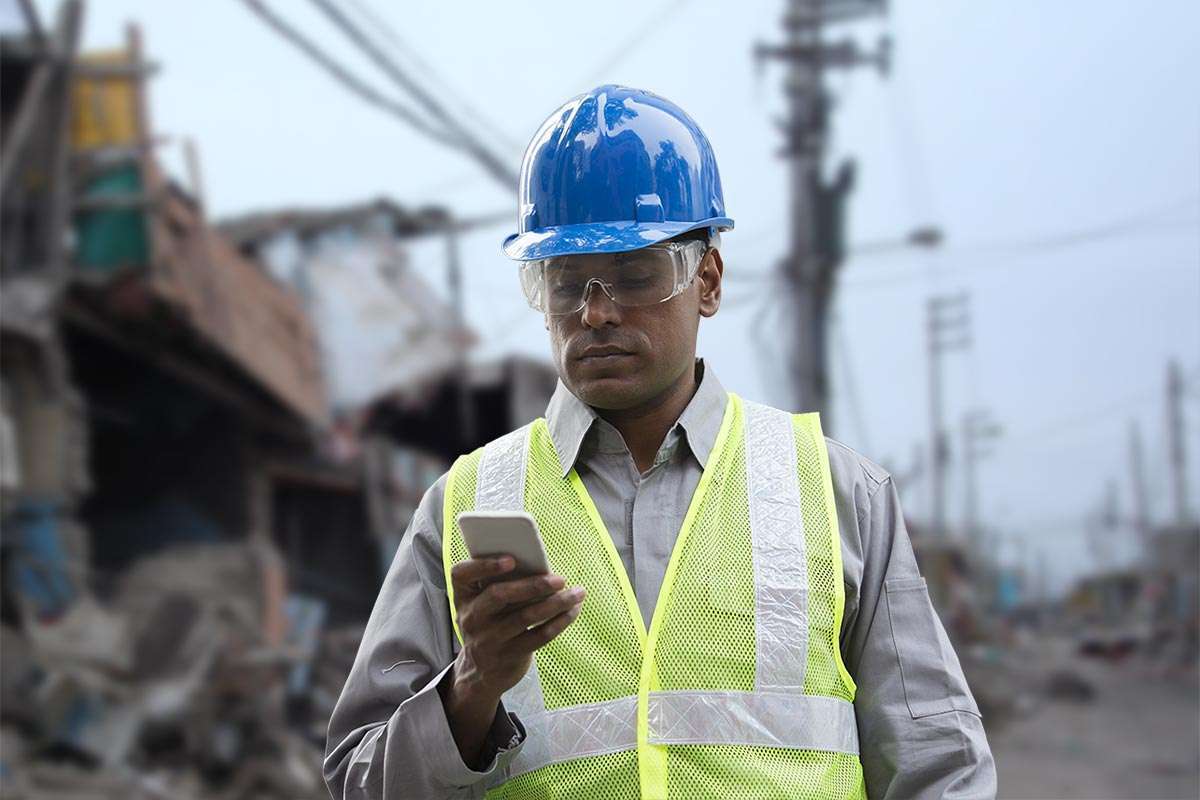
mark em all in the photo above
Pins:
pixel 500 484
pixel 574 732
pixel 780 561
pixel 765 719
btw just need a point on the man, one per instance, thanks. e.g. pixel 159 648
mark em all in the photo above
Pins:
pixel 735 609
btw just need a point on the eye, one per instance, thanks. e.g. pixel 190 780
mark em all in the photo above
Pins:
pixel 566 288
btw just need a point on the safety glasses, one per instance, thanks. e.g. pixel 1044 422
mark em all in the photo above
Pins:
pixel 642 277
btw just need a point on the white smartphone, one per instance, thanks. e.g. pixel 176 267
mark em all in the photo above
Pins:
pixel 494 533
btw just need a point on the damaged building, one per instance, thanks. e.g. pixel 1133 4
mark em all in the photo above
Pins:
pixel 211 438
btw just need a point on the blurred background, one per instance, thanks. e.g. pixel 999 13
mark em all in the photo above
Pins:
pixel 253 305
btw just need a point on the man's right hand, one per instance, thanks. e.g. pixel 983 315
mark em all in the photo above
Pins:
pixel 495 617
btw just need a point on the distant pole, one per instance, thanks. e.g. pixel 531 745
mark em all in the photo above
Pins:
pixel 195 175
pixel 1023 567
pixel 1108 521
pixel 1176 443
pixel 947 328
pixel 977 431
pixel 816 247
pixel 466 415
pixel 1043 579
pixel 1137 475
pixel 970 490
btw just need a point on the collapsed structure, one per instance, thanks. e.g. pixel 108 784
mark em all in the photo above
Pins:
pixel 200 492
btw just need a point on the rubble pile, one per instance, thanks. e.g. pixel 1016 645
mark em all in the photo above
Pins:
pixel 187 682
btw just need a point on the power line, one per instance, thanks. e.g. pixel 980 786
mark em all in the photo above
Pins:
pixel 1109 230
pixel 343 75
pixel 463 137
pixel 912 276
pixel 1046 433
pixel 1126 227
pixel 379 24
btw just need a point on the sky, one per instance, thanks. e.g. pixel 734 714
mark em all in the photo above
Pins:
pixel 1056 145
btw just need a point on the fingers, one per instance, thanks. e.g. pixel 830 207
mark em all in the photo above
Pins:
pixel 533 639
pixel 514 622
pixel 470 577
pixel 518 591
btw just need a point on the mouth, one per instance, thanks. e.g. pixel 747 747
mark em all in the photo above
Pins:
pixel 603 355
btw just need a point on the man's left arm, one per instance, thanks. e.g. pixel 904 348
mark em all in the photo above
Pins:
pixel 920 731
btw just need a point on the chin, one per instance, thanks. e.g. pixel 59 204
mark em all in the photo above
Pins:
pixel 612 392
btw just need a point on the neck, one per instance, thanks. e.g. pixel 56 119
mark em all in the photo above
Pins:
pixel 644 426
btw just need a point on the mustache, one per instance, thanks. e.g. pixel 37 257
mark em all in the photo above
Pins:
pixel 576 346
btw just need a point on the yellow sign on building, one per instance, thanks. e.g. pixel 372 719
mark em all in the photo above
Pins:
pixel 105 106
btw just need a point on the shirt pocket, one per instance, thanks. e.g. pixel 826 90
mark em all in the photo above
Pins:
pixel 929 669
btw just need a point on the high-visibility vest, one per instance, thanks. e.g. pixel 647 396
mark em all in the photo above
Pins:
pixel 738 689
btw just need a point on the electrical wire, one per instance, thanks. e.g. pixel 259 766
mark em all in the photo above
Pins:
pixel 1150 222
pixel 378 24
pixel 343 75
pixel 463 137
pixel 912 276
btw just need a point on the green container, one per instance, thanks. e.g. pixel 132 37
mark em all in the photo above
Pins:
pixel 112 239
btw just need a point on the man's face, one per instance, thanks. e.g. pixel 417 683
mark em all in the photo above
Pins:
pixel 618 357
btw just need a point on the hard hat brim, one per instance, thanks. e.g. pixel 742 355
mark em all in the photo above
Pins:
pixel 599 237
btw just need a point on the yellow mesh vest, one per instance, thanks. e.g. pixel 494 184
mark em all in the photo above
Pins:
pixel 703 705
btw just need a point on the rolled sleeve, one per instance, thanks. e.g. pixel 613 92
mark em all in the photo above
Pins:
pixel 920 731
pixel 388 736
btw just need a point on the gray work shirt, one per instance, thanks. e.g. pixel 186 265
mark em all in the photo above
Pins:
pixel 920 731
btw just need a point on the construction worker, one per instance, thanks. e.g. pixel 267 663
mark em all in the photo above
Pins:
pixel 734 609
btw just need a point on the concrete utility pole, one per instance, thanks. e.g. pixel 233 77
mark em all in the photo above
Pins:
pixel 1107 522
pixel 948 328
pixel 978 430
pixel 1137 475
pixel 817 208
pixel 1175 441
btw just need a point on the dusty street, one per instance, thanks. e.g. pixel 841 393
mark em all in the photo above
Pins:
pixel 1139 738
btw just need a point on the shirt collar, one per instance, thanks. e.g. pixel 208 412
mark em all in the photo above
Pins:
pixel 569 419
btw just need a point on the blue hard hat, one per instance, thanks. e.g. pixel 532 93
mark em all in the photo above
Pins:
pixel 614 170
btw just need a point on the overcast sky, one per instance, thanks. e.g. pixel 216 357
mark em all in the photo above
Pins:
pixel 1010 125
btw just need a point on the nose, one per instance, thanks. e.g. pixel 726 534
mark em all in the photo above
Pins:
pixel 599 308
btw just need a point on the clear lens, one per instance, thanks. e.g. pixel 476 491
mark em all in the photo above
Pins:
pixel 641 277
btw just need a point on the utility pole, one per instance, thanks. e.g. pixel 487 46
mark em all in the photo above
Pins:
pixel 1043 580
pixel 977 430
pixel 1175 441
pixel 1104 527
pixel 1137 475
pixel 455 228
pixel 948 328
pixel 817 244
pixel 466 417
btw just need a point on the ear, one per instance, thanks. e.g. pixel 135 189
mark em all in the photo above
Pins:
pixel 709 277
